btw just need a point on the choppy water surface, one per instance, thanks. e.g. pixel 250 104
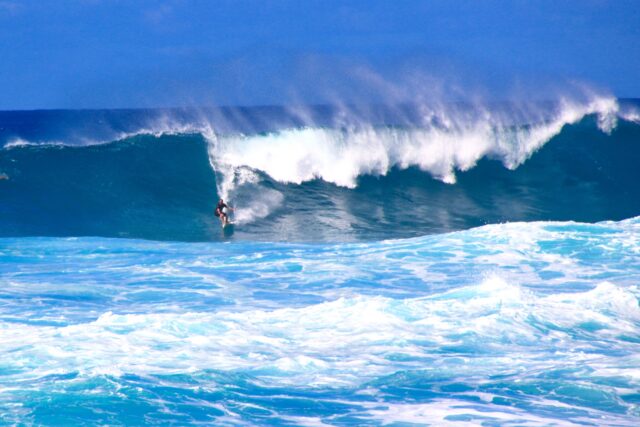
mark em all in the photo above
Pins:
pixel 513 324
pixel 450 265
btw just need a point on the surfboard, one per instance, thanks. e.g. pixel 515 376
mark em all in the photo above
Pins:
pixel 228 229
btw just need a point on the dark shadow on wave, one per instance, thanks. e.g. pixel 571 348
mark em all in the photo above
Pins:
pixel 143 187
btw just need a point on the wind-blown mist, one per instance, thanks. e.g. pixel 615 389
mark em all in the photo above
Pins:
pixel 431 315
pixel 346 172
pixel 440 143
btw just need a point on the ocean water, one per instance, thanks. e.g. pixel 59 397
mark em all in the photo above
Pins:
pixel 407 265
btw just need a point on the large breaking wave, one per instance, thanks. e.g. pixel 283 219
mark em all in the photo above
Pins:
pixel 439 142
pixel 317 173
pixel 529 323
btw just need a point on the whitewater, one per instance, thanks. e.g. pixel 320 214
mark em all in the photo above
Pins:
pixel 523 323
pixel 432 264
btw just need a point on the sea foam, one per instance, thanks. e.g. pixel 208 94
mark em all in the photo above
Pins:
pixel 441 142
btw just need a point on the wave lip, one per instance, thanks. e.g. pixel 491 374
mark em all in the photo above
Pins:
pixel 335 179
pixel 443 142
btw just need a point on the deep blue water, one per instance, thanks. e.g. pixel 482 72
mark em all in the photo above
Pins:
pixel 388 266
pixel 162 186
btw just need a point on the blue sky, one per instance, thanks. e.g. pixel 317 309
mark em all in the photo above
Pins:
pixel 140 53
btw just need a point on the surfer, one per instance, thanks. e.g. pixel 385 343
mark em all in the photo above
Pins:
pixel 224 218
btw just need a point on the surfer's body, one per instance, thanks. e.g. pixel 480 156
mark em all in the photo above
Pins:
pixel 220 213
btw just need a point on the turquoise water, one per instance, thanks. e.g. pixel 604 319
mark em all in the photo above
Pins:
pixel 512 324
pixel 459 265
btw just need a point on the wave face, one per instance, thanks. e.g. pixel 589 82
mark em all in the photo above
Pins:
pixel 316 174
pixel 345 296
pixel 527 323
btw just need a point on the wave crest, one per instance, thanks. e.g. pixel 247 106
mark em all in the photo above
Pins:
pixel 443 142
